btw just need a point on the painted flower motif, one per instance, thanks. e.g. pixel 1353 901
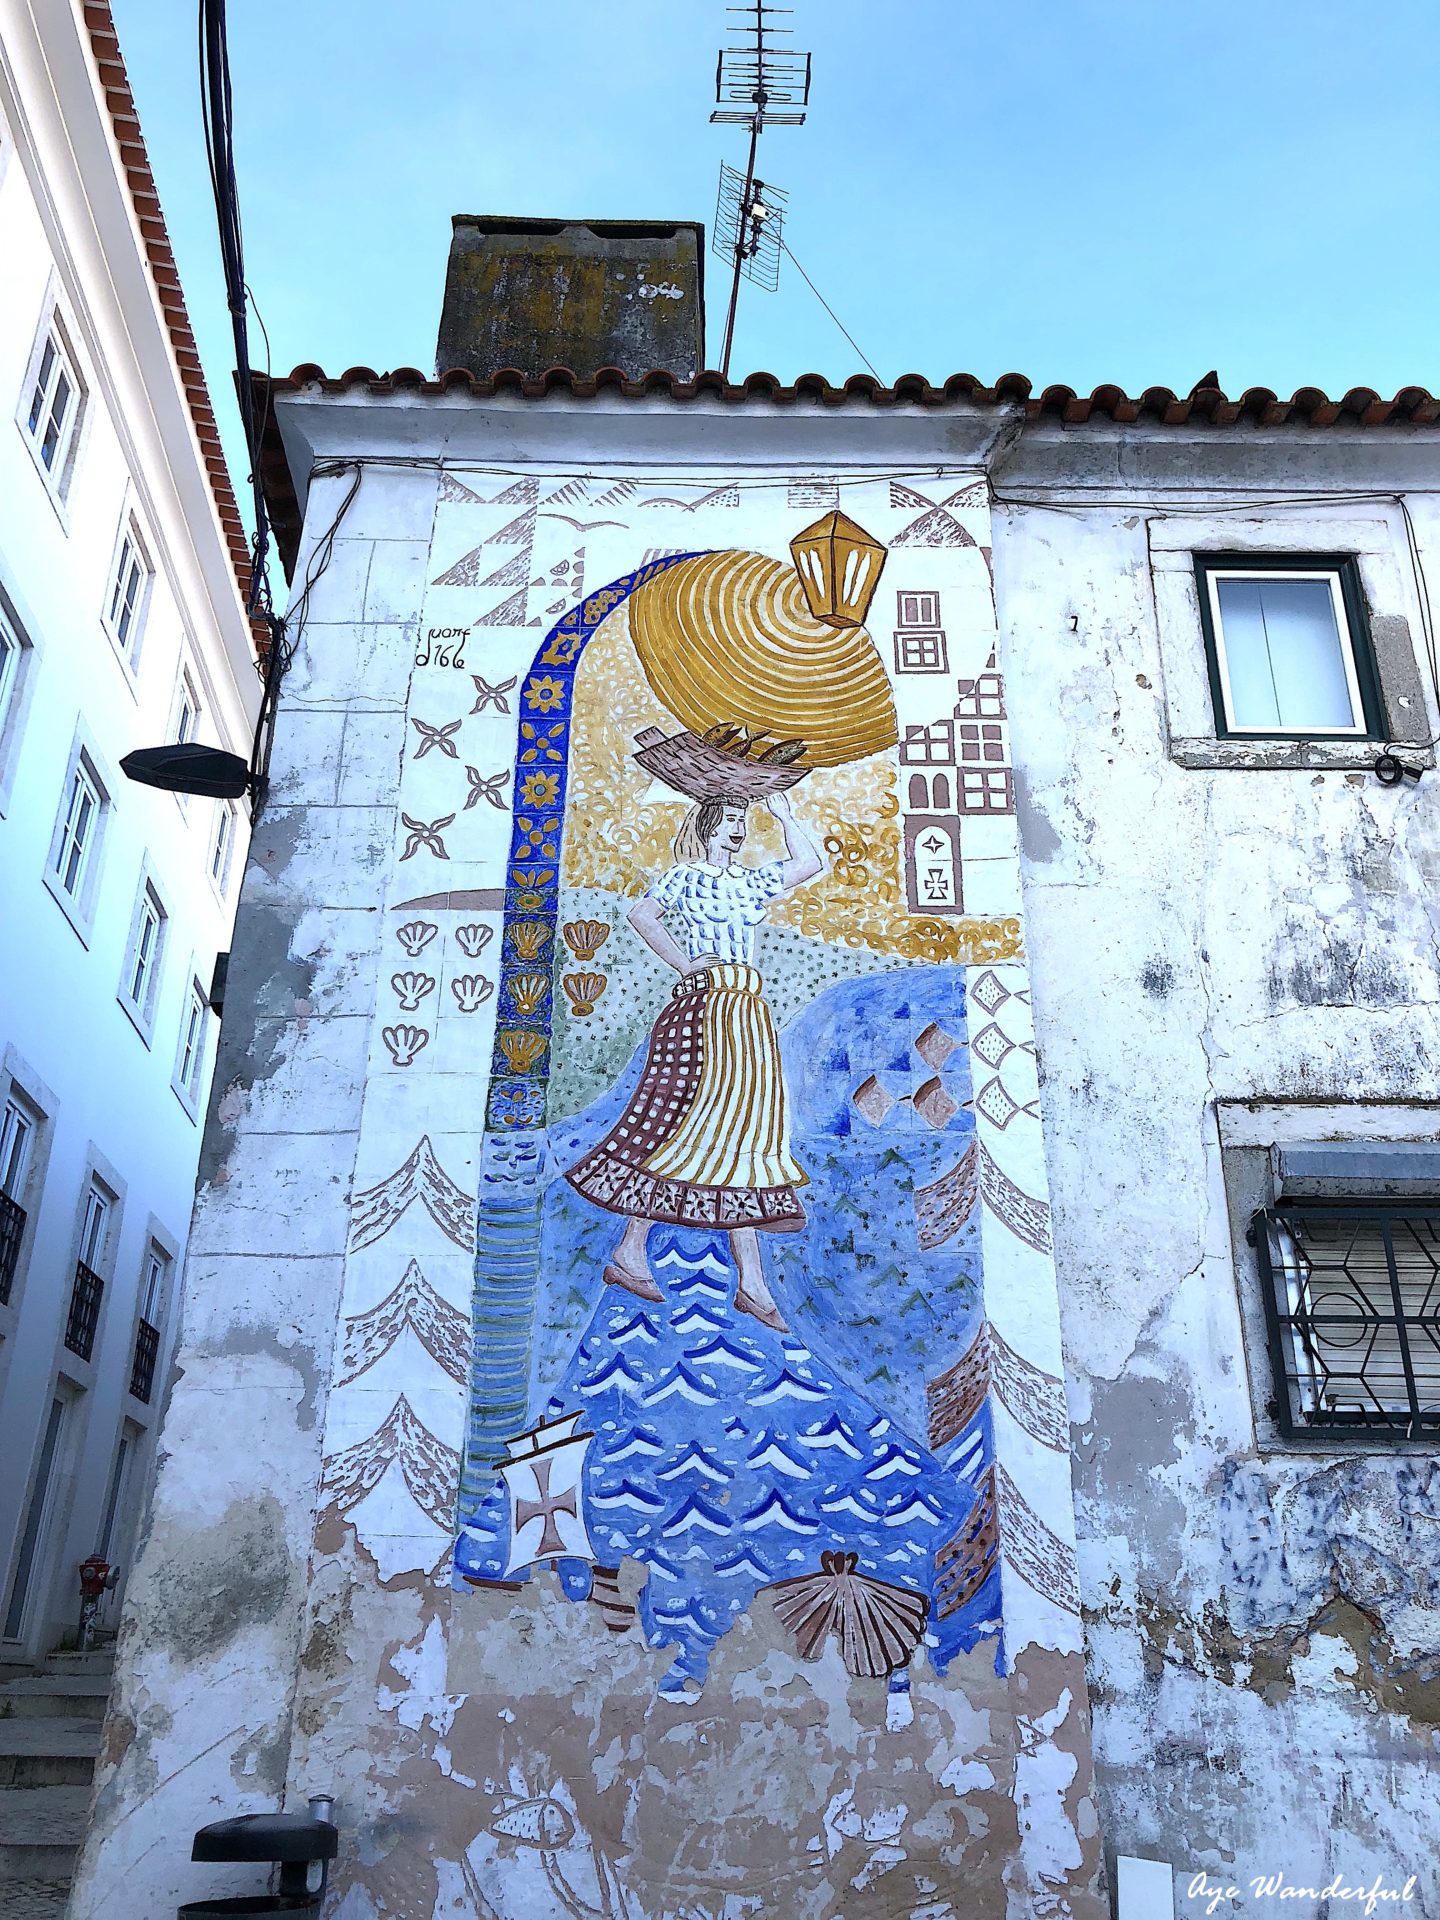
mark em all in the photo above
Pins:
pixel 540 790
pixel 541 742
pixel 544 693
pixel 537 838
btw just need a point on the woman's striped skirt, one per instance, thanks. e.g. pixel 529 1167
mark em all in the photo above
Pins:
pixel 703 1140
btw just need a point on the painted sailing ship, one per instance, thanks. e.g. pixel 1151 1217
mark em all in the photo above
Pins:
pixel 542 1476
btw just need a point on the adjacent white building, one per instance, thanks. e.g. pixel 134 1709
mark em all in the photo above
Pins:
pixel 121 625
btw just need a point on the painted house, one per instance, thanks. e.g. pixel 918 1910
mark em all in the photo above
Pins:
pixel 121 626
pixel 812 1290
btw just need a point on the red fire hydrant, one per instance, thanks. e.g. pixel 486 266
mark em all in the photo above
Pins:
pixel 97 1578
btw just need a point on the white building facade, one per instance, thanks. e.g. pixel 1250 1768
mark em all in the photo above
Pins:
pixel 121 626
pixel 1065 1534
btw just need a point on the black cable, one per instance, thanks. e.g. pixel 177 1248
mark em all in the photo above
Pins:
pixel 827 306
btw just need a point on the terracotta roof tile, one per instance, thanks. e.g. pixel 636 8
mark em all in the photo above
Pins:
pixel 125 122
pixel 1256 407
pixel 1307 406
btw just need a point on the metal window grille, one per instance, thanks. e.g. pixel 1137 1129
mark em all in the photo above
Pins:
pixel 1352 1300
pixel 142 1370
pixel 84 1315
pixel 12 1228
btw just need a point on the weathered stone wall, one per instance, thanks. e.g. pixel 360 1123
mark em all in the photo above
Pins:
pixel 1224 956
pixel 515 1740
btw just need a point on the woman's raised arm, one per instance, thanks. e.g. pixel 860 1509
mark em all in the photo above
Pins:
pixel 804 860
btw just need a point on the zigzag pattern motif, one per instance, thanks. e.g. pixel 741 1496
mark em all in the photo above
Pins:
pixel 441 1329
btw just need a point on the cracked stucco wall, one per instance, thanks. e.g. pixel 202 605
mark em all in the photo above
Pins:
pixel 1263 1639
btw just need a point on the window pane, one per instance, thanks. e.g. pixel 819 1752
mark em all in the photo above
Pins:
pixel 1286 656
pixel 15 1136
pixel 92 1234
pixel 42 382
pixel 59 407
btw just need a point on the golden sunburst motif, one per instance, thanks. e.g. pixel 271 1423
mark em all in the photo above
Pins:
pixel 620 826
pixel 730 636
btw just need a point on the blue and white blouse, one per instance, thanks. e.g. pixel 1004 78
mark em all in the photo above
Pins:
pixel 719 908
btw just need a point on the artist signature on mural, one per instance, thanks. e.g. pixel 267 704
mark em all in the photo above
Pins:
pixel 1277 1886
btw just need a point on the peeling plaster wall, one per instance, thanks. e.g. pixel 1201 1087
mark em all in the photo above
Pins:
pixel 1263 1641
pixel 292 1631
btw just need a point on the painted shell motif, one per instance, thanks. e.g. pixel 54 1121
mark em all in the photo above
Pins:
pixel 528 991
pixel 586 937
pixel 529 938
pixel 584 990
pixel 521 1048
pixel 878 1626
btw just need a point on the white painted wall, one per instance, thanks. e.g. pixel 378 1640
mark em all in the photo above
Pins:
pixel 103 1087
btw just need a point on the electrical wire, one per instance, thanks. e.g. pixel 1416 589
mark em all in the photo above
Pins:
pixel 827 306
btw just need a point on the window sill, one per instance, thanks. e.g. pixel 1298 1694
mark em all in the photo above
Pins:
pixel 129 668
pixel 81 920
pixel 47 479
pixel 1261 755
pixel 145 1028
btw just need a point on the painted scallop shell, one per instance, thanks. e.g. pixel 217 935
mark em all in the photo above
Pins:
pixel 521 1048
pixel 529 938
pixel 528 991
pixel 878 1626
pixel 584 990
pixel 586 937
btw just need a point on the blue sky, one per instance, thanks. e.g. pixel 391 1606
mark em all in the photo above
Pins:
pixel 1079 190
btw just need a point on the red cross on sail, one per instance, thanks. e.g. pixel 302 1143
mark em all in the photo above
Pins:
pixel 547 1504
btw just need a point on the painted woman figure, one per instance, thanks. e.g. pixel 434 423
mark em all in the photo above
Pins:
pixel 703 1141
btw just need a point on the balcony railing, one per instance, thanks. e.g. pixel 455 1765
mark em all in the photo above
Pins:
pixel 84 1316
pixel 142 1369
pixel 12 1226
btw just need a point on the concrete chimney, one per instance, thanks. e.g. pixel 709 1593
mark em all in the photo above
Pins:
pixel 582 294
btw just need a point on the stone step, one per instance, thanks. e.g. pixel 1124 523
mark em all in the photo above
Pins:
pixel 55 1694
pixel 34 1899
pixel 48 1752
pixel 40 1833
pixel 100 1660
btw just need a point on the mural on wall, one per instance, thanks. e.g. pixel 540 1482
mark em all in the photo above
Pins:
pixel 710 1296
pixel 699 1279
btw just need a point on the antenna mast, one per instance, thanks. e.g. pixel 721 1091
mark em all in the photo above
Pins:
pixel 756 85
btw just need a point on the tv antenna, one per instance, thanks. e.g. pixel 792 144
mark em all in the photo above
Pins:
pixel 757 84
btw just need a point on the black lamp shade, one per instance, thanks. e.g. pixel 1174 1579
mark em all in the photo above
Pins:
pixel 189 768
pixel 266 1836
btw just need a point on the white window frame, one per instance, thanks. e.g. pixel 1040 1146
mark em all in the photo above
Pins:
pixel 222 855
pixel 187 699
pixel 190 1053
pixel 99 1205
pixel 155 1284
pixel 55 337
pixel 77 902
pixel 1270 730
pixel 131 554
pixel 150 909
pixel 18 655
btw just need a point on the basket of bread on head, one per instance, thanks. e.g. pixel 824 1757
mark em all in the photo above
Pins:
pixel 728 761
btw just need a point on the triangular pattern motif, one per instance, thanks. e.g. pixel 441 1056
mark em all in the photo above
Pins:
pixel 441 1329
pixel 464 573
pixel 375 1210
pixel 509 613
pixel 430 1469
pixel 453 489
